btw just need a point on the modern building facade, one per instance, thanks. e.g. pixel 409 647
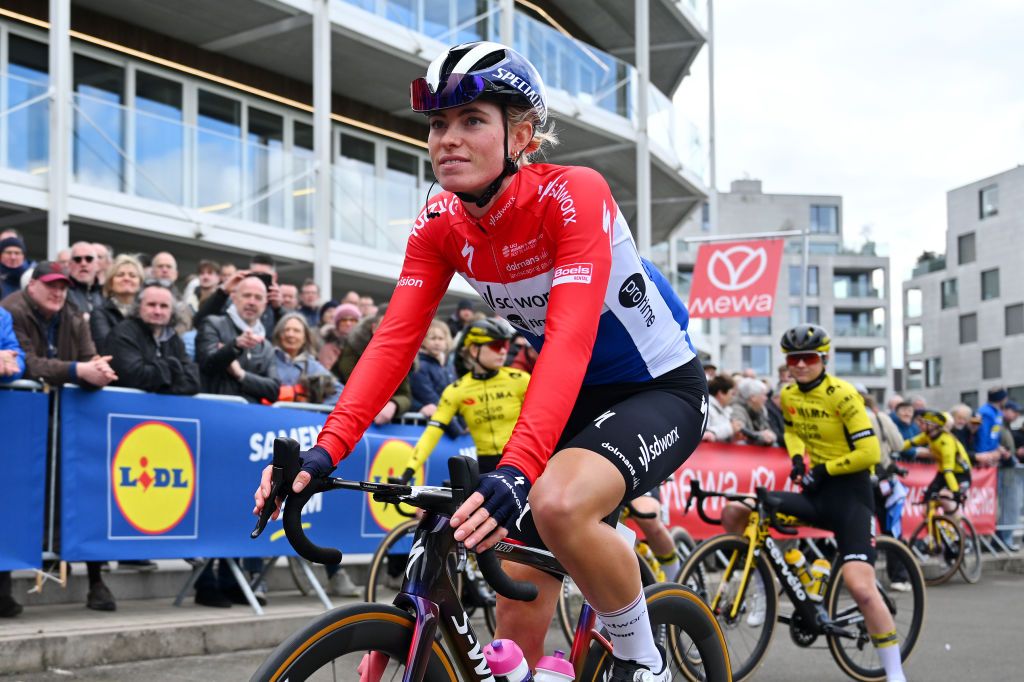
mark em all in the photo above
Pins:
pixel 847 291
pixel 191 125
pixel 963 312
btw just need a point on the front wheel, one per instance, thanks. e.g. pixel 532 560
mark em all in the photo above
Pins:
pixel 902 587
pixel 332 646
pixel 970 567
pixel 715 572
pixel 684 627
pixel 939 550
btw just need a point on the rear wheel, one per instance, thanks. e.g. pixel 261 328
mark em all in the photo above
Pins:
pixel 714 572
pixel 940 551
pixel 970 567
pixel 684 543
pixel 901 584
pixel 332 646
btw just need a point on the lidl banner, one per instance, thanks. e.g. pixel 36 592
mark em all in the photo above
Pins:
pixel 23 462
pixel 742 468
pixel 148 476
pixel 735 279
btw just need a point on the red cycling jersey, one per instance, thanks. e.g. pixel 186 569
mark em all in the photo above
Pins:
pixel 554 257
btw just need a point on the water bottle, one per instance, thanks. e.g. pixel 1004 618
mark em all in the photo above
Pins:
pixel 554 669
pixel 795 558
pixel 821 570
pixel 506 661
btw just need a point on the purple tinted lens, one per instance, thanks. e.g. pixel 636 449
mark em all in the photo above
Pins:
pixel 459 89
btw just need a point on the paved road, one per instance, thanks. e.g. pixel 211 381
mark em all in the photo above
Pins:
pixel 972 632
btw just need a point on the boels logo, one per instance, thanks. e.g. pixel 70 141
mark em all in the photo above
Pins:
pixel 153 479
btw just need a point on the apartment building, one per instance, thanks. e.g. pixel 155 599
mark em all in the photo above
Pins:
pixel 844 290
pixel 190 125
pixel 963 312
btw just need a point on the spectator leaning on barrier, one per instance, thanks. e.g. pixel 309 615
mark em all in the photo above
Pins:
pixel 309 303
pixel 12 357
pixel 722 427
pixel 904 421
pixel 965 426
pixel 749 410
pixel 85 291
pixel 13 264
pixel 146 352
pixel 233 353
pixel 121 286
pixel 354 347
pixel 303 378
pixel 1009 476
pixel 987 438
pixel 432 375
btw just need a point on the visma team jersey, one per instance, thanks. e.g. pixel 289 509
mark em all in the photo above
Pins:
pixel 555 258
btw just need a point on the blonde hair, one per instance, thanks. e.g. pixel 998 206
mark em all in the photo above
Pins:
pixel 442 327
pixel 119 262
pixel 542 137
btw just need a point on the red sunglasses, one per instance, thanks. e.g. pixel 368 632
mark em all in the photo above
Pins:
pixel 498 346
pixel 794 359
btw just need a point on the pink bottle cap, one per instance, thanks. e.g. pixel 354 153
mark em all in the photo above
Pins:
pixel 557 663
pixel 503 656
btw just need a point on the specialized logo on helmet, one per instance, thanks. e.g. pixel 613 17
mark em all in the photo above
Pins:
pixel 736 268
pixel 153 478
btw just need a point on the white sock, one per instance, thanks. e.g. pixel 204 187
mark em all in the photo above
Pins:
pixel 891 660
pixel 629 630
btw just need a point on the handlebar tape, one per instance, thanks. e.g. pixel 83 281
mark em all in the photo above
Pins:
pixel 306 548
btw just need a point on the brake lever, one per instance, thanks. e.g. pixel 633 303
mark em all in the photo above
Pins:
pixel 285 467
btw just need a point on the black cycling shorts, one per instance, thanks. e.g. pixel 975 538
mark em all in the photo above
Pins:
pixel 938 483
pixel 844 505
pixel 647 430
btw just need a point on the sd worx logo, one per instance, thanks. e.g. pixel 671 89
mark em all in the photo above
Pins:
pixel 153 478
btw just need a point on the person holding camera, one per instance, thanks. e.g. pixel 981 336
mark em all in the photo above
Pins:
pixel 303 378
pixel 218 302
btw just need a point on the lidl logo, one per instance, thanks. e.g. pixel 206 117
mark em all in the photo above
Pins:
pixel 153 469
pixel 390 460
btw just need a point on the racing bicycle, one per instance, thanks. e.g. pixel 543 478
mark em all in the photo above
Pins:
pixel 945 542
pixel 427 634
pixel 733 574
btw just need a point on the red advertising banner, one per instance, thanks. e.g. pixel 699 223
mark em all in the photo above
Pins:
pixel 741 468
pixel 735 279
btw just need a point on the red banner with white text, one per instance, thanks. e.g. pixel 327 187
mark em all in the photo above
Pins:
pixel 741 468
pixel 735 279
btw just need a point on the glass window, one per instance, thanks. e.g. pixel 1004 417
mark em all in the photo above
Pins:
pixel 794 280
pixel 684 278
pixel 915 339
pixel 1016 394
pixel 990 284
pixel 950 297
pixel 915 374
pixel 705 217
pixel 812 280
pixel 912 308
pixel 970 398
pixel 265 171
pixel 99 123
pixel 437 19
pixel 824 219
pixel 991 363
pixel 1015 319
pixel 969 328
pixel 988 201
pixel 757 358
pixel 355 191
pixel 933 372
pixel 28 128
pixel 404 198
pixel 756 326
pixel 218 153
pixel 823 247
pixel 965 248
pixel 401 12
pixel 466 11
pixel 159 138
pixel 813 314
pixel 794 315
pixel 857 362
pixel 304 184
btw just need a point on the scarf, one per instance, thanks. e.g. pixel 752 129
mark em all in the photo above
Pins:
pixel 242 325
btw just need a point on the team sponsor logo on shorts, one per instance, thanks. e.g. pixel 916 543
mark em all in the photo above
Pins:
pixel 633 294
pixel 650 452
pixel 578 273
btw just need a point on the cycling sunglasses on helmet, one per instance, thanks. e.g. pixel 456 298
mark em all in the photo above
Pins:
pixel 458 89
pixel 809 358
pixel 498 346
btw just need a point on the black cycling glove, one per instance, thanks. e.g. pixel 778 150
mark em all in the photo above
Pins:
pixel 798 470
pixel 316 462
pixel 505 491
pixel 815 478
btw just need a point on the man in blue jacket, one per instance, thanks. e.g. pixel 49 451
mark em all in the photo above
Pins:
pixel 12 367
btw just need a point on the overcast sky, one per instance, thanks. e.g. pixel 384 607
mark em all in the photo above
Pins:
pixel 889 104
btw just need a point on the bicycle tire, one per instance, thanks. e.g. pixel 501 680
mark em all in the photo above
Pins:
pixel 570 599
pixel 680 616
pixel 703 573
pixel 939 556
pixel 684 543
pixel 350 631
pixel 970 567
pixel 857 658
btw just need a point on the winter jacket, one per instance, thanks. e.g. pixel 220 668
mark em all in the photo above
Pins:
pixel 72 341
pixel 85 298
pixel 752 421
pixel 9 341
pixel 353 348
pixel 215 350
pixel 101 322
pixel 10 278
pixel 219 301
pixel 291 370
pixel 429 381
pixel 144 363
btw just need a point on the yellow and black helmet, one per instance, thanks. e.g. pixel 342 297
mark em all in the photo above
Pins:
pixel 806 338
pixel 936 417
pixel 486 331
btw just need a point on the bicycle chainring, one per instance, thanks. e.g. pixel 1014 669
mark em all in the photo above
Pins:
pixel 799 631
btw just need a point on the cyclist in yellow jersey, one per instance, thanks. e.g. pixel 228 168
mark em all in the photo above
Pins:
pixel 826 419
pixel 489 397
pixel 951 460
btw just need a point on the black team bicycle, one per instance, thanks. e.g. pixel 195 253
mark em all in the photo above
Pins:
pixel 401 641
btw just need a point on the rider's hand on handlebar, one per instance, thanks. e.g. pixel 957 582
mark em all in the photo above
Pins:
pixel 500 500
pixel 315 463
pixel 798 470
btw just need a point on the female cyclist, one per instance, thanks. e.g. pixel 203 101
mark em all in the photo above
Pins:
pixel 617 400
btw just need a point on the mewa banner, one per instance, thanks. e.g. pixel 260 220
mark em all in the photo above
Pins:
pixel 735 279
pixel 23 416
pixel 742 468
pixel 150 476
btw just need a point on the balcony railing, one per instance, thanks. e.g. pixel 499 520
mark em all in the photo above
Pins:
pixel 871 330
pixel 858 369
pixel 25 125
pixel 930 265
pixel 845 289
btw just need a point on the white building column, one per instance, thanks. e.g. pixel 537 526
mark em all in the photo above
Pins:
pixel 59 175
pixel 643 149
pixel 507 22
pixel 322 218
